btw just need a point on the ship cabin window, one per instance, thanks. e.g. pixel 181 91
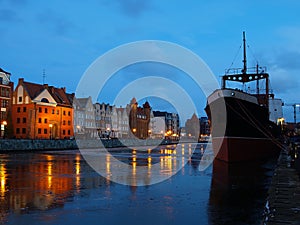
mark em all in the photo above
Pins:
pixel 232 94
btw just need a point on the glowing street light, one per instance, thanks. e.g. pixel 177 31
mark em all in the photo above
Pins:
pixel 3 126
pixel 50 125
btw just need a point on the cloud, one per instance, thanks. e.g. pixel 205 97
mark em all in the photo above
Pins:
pixel 288 59
pixel 131 8
pixel 59 24
pixel 7 15
pixel 134 8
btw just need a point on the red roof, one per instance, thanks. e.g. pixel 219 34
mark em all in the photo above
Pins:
pixel 58 94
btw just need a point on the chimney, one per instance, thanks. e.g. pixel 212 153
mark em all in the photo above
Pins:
pixel 21 80
pixel 64 89
pixel 45 85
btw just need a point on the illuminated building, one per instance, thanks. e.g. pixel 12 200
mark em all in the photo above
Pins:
pixel 42 111
pixel 139 119
pixel 6 88
pixel 84 117
pixel 171 121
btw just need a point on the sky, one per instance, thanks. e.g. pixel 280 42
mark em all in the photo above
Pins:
pixel 65 37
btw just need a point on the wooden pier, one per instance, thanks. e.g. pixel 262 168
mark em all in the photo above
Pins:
pixel 283 203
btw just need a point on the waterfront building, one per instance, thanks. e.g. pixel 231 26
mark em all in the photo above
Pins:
pixel 139 119
pixel 120 122
pixel 158 128
pixel 42 111
pixel 171 124
pixel 192 126
pixel 204 126
pixel 6 88
pixel 103 119
pixel 275 109
pixel 84 118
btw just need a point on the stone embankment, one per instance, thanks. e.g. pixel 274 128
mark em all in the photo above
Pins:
pixel 40 145
pixel 283 203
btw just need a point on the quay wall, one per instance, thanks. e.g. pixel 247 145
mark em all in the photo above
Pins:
pixel 38 145
pixel 282 205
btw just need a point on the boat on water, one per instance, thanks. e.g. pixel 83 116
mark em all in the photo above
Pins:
pixel 243 124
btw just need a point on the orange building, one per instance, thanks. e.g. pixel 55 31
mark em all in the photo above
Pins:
pixel 42 111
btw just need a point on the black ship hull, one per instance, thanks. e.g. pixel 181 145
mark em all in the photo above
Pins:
pixel 240 127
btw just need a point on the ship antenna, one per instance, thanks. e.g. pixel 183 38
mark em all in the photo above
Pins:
pixel 244 71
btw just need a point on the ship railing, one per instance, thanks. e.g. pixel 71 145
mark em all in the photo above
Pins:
pixel 250 70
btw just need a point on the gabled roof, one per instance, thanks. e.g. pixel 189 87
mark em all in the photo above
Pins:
pixel 3 71
pixel 58 94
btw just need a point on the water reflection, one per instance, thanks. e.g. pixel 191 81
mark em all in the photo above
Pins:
pixel 44 181
pixel 238 191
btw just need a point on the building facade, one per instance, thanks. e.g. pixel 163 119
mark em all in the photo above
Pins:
pixel 171 122
pixel 6 89
pixel 84 118
pixel 192 127
pixel 139 119
pixel 42 111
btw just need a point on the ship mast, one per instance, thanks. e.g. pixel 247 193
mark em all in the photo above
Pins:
pixel 244 71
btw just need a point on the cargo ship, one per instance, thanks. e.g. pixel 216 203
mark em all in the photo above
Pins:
pixel 240 123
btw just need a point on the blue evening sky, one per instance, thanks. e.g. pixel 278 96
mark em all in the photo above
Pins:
pixel 65 37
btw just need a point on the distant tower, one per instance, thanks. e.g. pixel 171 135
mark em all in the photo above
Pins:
pixel 44 76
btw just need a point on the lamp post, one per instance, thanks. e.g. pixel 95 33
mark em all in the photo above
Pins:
pixel 50 125
pixel 3 128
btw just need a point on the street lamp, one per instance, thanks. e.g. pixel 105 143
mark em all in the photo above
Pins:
pixel 50 125
pixel 3 128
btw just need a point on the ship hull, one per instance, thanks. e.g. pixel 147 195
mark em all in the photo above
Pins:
pixel 240 127
pixel 237 149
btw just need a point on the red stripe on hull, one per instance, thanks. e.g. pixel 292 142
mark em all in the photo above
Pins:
pixel 236 149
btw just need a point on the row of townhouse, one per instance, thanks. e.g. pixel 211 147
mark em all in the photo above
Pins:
pixel 41 111
pixel 102 120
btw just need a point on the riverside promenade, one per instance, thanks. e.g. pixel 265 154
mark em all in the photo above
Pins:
pixel 283 203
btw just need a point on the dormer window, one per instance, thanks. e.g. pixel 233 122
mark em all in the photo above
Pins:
pixel 45 100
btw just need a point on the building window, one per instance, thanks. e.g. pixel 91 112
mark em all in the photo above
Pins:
pixel 40 109
pixel 69 113
pixel 64 122
pixel 20 99
pixel 40 120
pixel 45 121
pixel 64 132
pixel 69 132
pixel 46 110
pixel 24 109
pixel 23 130
pixel 19 109
pixel 64 113
pixel 53 111
pixel 18 120
pixel 69 122
pixel 18 130
pixel 39 131
pixel 24 119
pixel 57 112
pixel 45 131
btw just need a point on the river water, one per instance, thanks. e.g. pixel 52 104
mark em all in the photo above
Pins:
pixel 60 187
